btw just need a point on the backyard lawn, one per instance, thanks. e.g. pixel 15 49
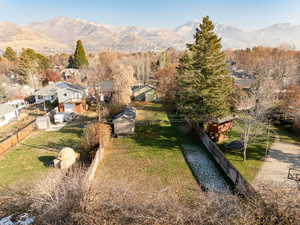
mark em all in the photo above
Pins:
pixel 255 151
pixel 152 159
pixel 32 157
pixel 287 135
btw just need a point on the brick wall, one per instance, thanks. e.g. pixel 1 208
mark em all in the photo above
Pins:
pixel 11 141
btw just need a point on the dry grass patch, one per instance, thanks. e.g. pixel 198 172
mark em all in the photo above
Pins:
pixel 61 198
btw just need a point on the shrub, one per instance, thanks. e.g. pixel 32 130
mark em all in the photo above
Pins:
pixel 62 198
pixel 94 134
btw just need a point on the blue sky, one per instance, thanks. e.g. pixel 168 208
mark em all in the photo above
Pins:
pixel 245 14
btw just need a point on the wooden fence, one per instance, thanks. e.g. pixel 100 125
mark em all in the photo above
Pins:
pixel 17 137
pixel 91 172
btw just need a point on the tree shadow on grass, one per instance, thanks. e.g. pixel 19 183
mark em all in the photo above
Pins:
pixel 47 160
pixel 72 130
pixel 62 143
pixel 156 136
pixel 288 135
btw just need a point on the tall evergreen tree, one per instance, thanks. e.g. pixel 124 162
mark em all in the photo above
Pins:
pixel 79 58
pixel 70 62
pixel 10 54
pixel 203 77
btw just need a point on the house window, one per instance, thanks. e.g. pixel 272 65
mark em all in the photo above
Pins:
pixel 65 94
pixel 40 97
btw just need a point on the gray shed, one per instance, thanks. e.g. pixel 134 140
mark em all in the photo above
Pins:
pixel 43 122
pixel 124 122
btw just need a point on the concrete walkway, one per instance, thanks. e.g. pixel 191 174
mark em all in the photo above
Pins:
pixel 282 156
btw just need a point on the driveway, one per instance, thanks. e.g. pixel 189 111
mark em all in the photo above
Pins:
pixel 282 156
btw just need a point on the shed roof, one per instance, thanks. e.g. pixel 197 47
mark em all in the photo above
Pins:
pixel 224 119
pixel 129 114
pixel 139 90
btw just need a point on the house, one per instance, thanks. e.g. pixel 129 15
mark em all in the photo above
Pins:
pixel 18 103
pixel 144 93
pixel 70 97
pixel 241 78
pixel 7 114
pixel 47 93
pixel 106 91
pixel 70 74
pixel 124 122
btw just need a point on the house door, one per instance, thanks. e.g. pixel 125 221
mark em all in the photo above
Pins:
pixel 69 107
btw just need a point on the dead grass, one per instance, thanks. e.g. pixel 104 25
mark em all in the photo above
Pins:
pixel 61 198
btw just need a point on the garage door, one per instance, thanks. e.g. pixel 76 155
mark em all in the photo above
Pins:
pixel 69 107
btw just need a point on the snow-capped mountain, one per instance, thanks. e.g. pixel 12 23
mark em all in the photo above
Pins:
pixel 59 35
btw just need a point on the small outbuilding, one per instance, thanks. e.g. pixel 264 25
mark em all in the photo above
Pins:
pixel 219 129
pixel 145 93
pixel 42 122
pixel 124 122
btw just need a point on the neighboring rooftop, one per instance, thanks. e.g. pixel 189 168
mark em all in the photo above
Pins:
pixel 52 88
pixel 64 84
pixel 106 86
pixel 46 91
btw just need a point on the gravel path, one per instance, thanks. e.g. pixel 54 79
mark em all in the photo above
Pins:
pixel 282 156
pixel 205 169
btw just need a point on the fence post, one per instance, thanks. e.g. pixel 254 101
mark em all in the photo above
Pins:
pixel 17 133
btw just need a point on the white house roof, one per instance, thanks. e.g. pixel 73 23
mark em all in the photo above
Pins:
pixel 47 91
pixel 6 108
pixel 52 88
pixel 69 86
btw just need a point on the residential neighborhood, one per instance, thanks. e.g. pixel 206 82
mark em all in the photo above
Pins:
pixel 181 128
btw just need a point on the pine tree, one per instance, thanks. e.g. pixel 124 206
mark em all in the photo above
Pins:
pixel 71 62
pixel 10 54
pixel 203 77
pixel 79 58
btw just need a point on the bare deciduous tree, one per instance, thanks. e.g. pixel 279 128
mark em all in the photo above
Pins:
pixel 123 77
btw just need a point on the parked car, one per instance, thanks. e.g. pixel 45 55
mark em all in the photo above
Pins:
pixel 64 117
pixel 69 116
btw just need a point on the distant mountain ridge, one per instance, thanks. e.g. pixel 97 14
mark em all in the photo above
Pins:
pixel 59 35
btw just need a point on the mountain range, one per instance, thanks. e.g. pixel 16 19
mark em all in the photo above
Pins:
pixel 60 34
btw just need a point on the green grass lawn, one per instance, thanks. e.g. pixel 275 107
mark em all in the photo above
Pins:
pixel 287 135
pixel 152 158
pixel 255 152
pixel 31 157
